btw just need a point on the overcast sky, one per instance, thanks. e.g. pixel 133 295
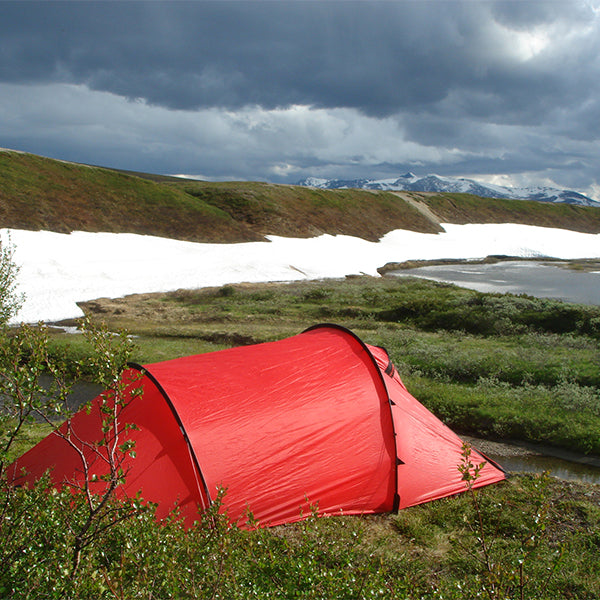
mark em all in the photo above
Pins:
pixel 507 92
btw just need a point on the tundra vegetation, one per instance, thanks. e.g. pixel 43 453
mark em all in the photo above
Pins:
pixel 493 365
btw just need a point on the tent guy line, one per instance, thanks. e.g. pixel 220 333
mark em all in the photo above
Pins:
pixel 58 270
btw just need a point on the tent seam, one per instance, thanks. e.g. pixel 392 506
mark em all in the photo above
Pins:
pixel 197 470
pixel 396 500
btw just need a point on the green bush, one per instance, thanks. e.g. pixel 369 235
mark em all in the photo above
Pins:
pixel 493 314
pixel 10 300
pixel 564 416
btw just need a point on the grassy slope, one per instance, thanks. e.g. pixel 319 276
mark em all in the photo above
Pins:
pixel 40 193
pixel 464 208
pixel 303 212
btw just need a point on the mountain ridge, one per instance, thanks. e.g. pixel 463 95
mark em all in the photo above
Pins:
pixel 456 185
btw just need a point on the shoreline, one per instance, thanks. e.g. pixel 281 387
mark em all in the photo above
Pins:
pixel 520 449
pixel 581 264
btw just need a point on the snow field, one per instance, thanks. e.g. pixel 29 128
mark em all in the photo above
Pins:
pixel 58 270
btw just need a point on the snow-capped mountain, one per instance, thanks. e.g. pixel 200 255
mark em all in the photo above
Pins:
pixel 436 183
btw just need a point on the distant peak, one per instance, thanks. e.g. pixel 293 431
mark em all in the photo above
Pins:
pixel 442 184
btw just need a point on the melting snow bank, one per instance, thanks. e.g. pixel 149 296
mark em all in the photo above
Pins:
pixel 58 270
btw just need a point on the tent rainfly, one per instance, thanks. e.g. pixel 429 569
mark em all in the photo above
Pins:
pixel 320 419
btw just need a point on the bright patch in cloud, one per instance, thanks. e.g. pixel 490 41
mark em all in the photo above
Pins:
pixel 528 44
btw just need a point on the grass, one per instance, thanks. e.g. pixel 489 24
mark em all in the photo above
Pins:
pixel 38 193
pixel 304 212
pixel 465 208
pixel 565 416
pixel 541 541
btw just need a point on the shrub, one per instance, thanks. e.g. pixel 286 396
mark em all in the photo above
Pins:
pixel 226 291
pixel 10 300
pixel 493 314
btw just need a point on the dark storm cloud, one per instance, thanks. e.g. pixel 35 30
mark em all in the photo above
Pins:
pixel 230 54
pixel 377 57
pixel 524 14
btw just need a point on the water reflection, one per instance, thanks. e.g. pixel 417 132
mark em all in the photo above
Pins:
pixel 556 467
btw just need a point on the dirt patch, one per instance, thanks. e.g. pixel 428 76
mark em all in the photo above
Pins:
pixel 502 449
pixel 415 202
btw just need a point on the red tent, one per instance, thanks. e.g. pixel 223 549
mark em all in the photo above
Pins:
pixel 316 420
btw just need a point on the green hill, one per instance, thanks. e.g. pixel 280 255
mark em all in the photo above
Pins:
pixel 39 193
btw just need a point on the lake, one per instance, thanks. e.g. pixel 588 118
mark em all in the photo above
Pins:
pixel 543 280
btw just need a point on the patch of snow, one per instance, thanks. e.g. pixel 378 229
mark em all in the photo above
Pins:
pixel 58 270
pixel 314 181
